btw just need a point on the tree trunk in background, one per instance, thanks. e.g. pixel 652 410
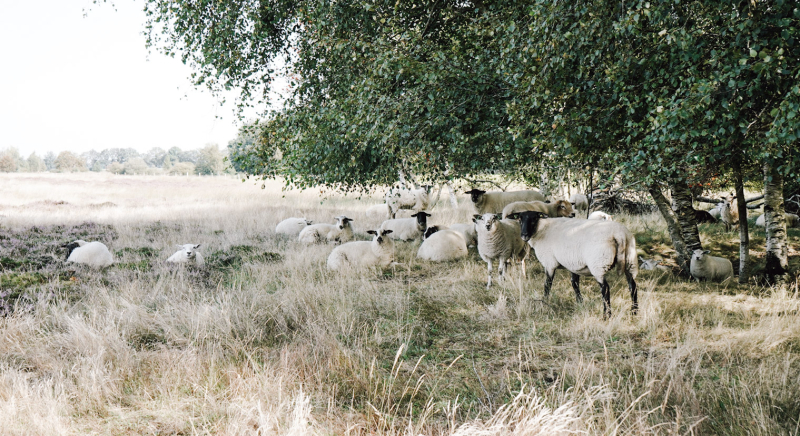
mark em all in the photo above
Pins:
pixel 544 184
pixel 744 231
pixel 672 225
pixel 775 223
pixel 684 215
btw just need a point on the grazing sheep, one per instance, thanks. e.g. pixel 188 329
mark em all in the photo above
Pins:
pixel 597 215
pixel 94 254
pixel 187 253
pixel 792 220
pixel 499 239
pixel 714 268
pixel 584 248
pixel 341 231
pixel 494 202
pixel 379 211
pixel 406 229
pixel 702 216
pixel 364 254
pixel 579 202
pixel 651 265
pixel 443 245
pixel 560 208
pixel 469 232
pixel 416 199
pixel 292 226
pixel 729 212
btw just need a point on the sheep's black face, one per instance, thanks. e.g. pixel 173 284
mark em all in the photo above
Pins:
pixel 69 247
pixel 422 218
pixel 429 231
pixel 475 194
pixel 529 223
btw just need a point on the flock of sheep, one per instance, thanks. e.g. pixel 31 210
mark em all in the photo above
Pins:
pixel 505 227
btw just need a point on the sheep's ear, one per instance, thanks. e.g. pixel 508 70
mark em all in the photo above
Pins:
pixel 415 215
pixel 706 252
pixel 513 216
pixel 499 216
pixel 197 246
pixel 346 220
pixel 476 218
pixel 386 232
pixel 426 214
pixel 372 232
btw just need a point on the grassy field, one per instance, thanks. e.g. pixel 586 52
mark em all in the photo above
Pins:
pixel 265 340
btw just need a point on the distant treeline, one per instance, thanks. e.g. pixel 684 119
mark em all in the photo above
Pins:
pixel 207 160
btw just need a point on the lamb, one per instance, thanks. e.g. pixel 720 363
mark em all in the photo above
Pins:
pixel 187 253
pixel 579 202
pixel 560 208
pixel 406 229
pixel 416 199
pixel 703 267
pixel 729 212
pixel 792 220
pixel 364 254
pixel 379 211
pixel 94 254
pixel 583 247
pixel 341 231
pixel 651 265
pixel 494 202
pixel 292 226
pixel 702 216
pixel 499 239
pixel 443 245
pixel 597 215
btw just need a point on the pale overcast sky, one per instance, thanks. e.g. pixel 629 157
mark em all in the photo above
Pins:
pixel 76 83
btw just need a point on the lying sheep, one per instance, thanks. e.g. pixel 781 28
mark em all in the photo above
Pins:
pixel 559 208
pixel 499 239
pixel 443 245
pixel 494 202
pixel 341 231
pixel 597 215
pixel 379 211
pixel 702 216
pixel 579 202
pixel 292 226
pixel 651 265
pixel 187 253
pixel 416 199
pixel 792 220
pixel 364 254
pixel 94 254
pixel 703 267
pixel 431 230
pixel 406 229
pixel 584 248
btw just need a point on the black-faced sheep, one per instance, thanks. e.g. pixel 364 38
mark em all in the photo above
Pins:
pixel 494 202
pixel 364 254
pixel 94 254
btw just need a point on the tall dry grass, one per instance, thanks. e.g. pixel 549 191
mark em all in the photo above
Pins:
pixel 257 343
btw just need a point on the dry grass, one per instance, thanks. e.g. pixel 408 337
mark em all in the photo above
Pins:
pixel 265 340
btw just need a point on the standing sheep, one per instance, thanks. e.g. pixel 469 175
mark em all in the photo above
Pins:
pixel 579 202
pixel 341 231
pixel 292 226
pixel 729 212
pixel 559 208
pixel 499 239
pixel 703 267
pixel 602 216
pixel 494 202
pixel 443 245
pixel 584 248
pixel 406 229
pixel 416 199
pixel 94 254
pixel 364 254
pixel 187 253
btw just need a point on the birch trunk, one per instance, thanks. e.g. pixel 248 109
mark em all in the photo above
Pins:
pixel 453 198
pixel 672 226
pixel 744 231
pixel 775 223
pixel 684 215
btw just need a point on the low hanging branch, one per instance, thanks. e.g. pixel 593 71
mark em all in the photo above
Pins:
pixel 475 182
pixel 717 200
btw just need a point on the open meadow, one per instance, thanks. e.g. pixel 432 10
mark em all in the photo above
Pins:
pixel 265 340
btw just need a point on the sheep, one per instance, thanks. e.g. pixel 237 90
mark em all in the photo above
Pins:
pixel 651 265
pixel 499 239
pixel 339 232
pixel 702 216
pixel 406 229
pixel 468 230
pixel 494 202
pixel 416 199
pixel 583 247
pixel 579 202
pixel 560 208
pixel 379 211
pixel 443 245
pixel 716 211
pixel 602 216
pixel 703 267
pixel 94 254
pixel 431 230
pixel 292 226
pixel 187 253
pixel 729 212
pixel 792 220
pixel 364 254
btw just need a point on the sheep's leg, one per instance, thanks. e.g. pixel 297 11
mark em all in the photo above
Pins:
pixel 548 282
pixel 605 291
pixel 501 266
pixel 576 286
pixel 489 283
pixel 634 293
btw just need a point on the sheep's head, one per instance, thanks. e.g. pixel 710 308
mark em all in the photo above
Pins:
pixel 343 221
pixel 489 220
pixel 429 231
pixel 308 222
pixel 528 222
pixel 422 218
pixel 189 249
pixel 73 245
pixel 379 235
pixel 475 194
pixel 564 208
pixel 699 254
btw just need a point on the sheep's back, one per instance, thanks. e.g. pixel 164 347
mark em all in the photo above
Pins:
pixel 93 253
pixel 443 245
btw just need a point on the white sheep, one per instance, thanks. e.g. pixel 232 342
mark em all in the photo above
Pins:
pixel 499 239
pixel 704 267
pixel 406 229
pixel 792 220
pixel 579 202
pixel 559 208
pixel 716 211
pixel 729 212
pixel 416 199
pixel 583 247
pixel 443 245
pixel 94 254
pixel 494 202
pixel 292 226
pixel 379 211
pixel 187 253
pixel 602 216
pixel 364 254
pixel 341 231
pixel 652 265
